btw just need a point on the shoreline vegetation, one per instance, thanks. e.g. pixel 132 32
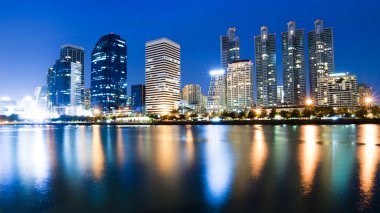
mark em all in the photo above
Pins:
pixel 308 115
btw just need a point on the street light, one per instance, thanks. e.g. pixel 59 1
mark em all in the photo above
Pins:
pixel 309 102
pixel 368 101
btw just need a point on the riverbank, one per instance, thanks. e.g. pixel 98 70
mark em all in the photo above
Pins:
pixel 222 122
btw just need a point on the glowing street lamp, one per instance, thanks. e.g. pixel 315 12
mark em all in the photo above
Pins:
pixel 368 101
pixel 96 111
pixel 258 112
pixel 309 102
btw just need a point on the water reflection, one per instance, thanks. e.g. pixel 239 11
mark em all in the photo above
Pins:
pixel 309 152
pixel 97 153
pixel 368 157
pixel 259 151
pixel 219 165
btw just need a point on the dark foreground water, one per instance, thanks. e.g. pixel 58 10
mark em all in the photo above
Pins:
pixel 190 168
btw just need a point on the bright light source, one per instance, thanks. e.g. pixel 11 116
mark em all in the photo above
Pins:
pixel 368 100
pixel 216 72
pixel 258 111
pixel 309 102
pixel 216 119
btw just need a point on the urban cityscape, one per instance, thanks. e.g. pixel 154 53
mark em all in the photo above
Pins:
pixel 189 106
pixel 239 87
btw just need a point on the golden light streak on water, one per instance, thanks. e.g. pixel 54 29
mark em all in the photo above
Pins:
pixel 259 152
pixel 98 157
pixel 368 157
pixel 309 153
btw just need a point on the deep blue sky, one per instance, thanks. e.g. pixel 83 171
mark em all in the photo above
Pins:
pixel 31 33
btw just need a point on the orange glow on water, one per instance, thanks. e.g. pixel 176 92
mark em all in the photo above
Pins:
pixel 98 157
pixel 309 153
pixel 259 152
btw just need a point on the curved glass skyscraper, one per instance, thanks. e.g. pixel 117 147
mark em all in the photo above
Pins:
pixel 109 73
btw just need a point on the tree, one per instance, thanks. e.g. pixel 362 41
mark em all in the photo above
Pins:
pixel 375 110
pixel 361 113
pixel 307 112
pixel 295 113
pixel 263 113
pixel 272 113
pixel 284 114
pixel 13 117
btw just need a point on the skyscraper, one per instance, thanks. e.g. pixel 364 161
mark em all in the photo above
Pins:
pixel 229 47
pixel 239 85
pixel 109 73
pixel 74 54
pixel 321 55
pixel 162 76
pixel 266 69
pixel 138 98
pixel 64 86
pixel 293 65
pixel 216 98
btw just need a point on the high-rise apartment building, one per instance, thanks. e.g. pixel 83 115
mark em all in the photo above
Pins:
pixel 138 98
pixel 239 85
pixel 229 47
pixel 162 76
pixel 216 98
pixel 321 55
pixel 266 69
pixel 109 73
pixel 280 95
pixel 338 90
pixel 293 65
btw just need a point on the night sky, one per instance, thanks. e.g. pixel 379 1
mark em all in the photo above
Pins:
pixel 31 33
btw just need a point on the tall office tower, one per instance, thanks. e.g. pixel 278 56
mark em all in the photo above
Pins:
pixel 239 85
pixel 65 85
pixel 229 47
pixel 364 92
pixel 338 90
pixel 138 98
pixel 321 55
pixel 162 76
pixel 216 99
pixel 293 65
pixel 109 73
pixel 75 54
pixel 266 69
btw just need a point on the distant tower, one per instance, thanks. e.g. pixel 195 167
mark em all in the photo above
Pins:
pixel 321 55
pixel 162 76
pixel 229 47
pixel 138 98
pixel 266 69
pixel 293 65
pixel 109 73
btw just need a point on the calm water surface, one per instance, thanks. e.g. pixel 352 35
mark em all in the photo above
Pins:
pixel 190 168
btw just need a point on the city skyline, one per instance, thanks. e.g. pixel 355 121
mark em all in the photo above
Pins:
pixel 137 33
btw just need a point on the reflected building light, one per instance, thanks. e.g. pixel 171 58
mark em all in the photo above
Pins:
pixel 368 157
pixel 259 152
pixel 98 157
pixel 120 147
pixel 308 156
pixel 219 166
pixel 167 150
pixel 189 145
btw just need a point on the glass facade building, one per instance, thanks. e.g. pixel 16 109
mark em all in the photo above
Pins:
pixel 293 64
pixel 138 98
pixel 109 73
pixel 229 47
pixel 266 69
